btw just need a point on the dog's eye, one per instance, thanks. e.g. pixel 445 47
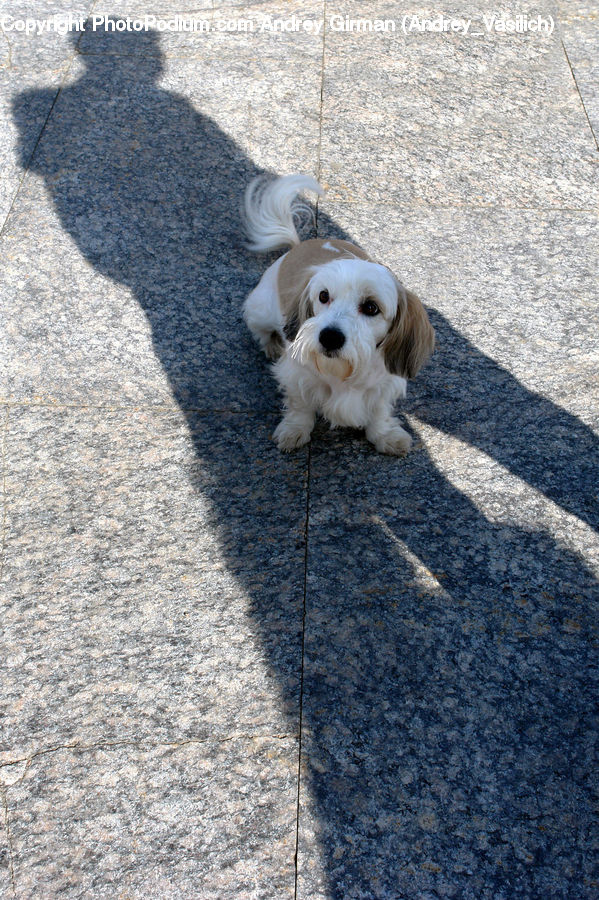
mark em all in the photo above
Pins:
pixel 369 307
pixel 324 297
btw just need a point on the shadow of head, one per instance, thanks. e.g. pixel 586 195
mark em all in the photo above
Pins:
pixel 106 42
pixel 149 189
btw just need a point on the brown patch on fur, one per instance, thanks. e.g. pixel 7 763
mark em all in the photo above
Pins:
pixel 275 346
pixel 411 338
pixel 296 270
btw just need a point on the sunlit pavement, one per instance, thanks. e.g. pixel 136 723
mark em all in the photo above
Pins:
pixel 232 673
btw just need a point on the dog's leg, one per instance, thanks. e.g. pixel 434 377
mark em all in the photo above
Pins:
pixel 263 316
pixel 296 426
pixel 387 435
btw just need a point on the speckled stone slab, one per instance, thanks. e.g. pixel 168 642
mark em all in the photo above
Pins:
pixel 213 10
pixel 214 820
pixel 578 26
pixel 34 63
pixel 513 287
pixel 40 48
pixel 34 117
pixel 451 680
pixel 250 29
pixel 5 860
pixel 155 565
pixel 144 317
pixel 126 270
pixel 244 101
pixel 447 119
pixel 153 579
pixel 449 712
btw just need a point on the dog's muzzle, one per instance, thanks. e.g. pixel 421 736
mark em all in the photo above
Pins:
pixel 331 339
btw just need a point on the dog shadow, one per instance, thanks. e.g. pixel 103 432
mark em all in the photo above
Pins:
pixel 449 688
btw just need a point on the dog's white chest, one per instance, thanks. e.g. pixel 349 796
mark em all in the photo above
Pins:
pixel 346 406
pixel 343 402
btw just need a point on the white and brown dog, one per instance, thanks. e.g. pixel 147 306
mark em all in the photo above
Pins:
pixel 344 332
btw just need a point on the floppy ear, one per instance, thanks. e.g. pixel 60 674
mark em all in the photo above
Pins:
pixel 295 311
pixel 411 339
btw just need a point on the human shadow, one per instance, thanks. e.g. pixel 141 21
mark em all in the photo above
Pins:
pixel 450 686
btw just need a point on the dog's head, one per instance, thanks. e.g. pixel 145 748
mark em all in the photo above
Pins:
pixel 353 309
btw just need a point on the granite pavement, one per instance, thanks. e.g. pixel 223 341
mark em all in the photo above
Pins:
pixel 328 675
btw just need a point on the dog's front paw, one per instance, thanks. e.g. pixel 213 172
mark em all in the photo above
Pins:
pixel 289 435
pixel 395 441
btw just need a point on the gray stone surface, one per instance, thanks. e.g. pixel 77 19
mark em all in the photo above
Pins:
pixel 6 884
pixel 243 28
pixel 145 175
pixel 579 29
pixel 39 64
pixel 150 590
pixel 46 49
pixel 11 172
pixel 128 309
pixel 450 675
pixel 514 285
pixel 209 819
pixel 450 680
pixel 191 620
pixel 447 120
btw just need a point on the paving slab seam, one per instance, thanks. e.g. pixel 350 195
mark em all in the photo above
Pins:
pixel 176 407
pixel 144 745
pixel 4 497
pixel 220 8
pixel 493 207
pixel 407 204
pixel 69 65
pixel 301 696
pixel 186 57
pixel 320 111
pixel 11 867
pixel 579 94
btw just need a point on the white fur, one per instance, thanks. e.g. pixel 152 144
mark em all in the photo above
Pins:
pixel 271 209
pixel 261 310
pixel 350 386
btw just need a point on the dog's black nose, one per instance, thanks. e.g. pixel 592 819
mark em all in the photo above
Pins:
pixel 331 339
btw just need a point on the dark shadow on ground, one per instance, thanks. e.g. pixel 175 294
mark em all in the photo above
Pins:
pixel 449 730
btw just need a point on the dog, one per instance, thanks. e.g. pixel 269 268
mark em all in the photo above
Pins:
pixel 343 333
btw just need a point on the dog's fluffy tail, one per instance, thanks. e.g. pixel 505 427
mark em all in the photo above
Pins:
pixel 272 208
